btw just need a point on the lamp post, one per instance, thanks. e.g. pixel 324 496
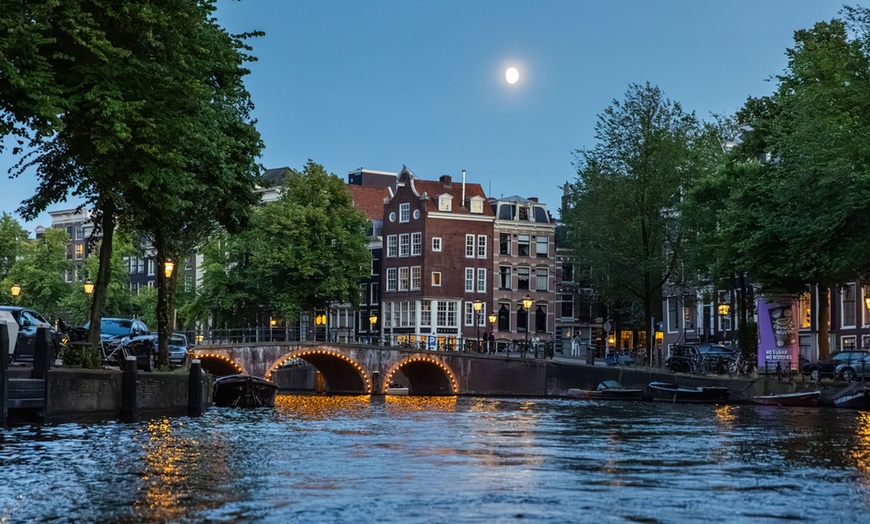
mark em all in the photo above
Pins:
pixel 373 320
pixel 16 290
pixel 320 320
pixel 527 305
pixel 168 268
pixel 477 304
pixel 492 318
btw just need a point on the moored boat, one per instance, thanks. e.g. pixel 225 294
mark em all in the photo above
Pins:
pixel 606 390
pixel 398 390
pixel 244 391
pixel 854 397
pixel 800 398
pixel 667 392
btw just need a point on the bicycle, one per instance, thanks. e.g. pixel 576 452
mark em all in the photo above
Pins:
pixel 698 365
pixel 741 367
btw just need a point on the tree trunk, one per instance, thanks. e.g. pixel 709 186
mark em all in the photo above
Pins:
pixel 104 272
pixel 164 301
pixel 822 319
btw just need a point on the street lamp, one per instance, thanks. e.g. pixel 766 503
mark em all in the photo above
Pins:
pixel 492 318
pixel 89 287
pixel 168 267
pixel 477 306
pixel 527 305
pixel 320 320
pixel 16 290
pixel 373 320
pixel 724 309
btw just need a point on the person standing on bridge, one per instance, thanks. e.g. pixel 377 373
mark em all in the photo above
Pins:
pixel 491 343
pixel 575 345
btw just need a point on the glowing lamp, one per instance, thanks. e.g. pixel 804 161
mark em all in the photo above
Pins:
pixel 527 302
pixel 89 287
pixel 16 289
pixel 168 268
pixel 724 309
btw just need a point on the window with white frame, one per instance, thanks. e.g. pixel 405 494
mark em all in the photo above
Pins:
pixel 416 244
pixel 481 280
pixel 436 278
pixel 689 312
pixel 426 313
pixel 504 243
pixel 504 277
pixel 436 244
pixel 392 279
pixel 469 246
pixel 523 274
pixel 541 279
pixel 542 247
pixel 481 246
pixel 404 212
pixel 848 343
pixel 442 313
pixel 404 278
pixel 363 294
pixel 152 266
pixel 847 298
pixel 523 244
pixel 416 278
pixel 469 313
pixel 469 280
pixel 392 246
pixel 404 245
pixel 375 295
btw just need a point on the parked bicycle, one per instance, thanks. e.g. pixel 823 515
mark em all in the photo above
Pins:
pixel 741 367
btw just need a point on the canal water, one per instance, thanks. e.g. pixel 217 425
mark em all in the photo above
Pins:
pixel 433 460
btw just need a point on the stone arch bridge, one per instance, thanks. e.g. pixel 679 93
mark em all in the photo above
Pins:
pixel 364 369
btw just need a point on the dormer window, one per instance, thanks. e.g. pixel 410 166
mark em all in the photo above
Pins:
pixel 445 203
pixel 476 205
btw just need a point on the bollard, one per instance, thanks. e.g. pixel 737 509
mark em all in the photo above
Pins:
pixel 128 388
pixel 41 353
pixel 194 389
pixel 4 365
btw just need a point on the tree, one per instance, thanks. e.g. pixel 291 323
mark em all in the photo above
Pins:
pixel 40 273
pixel 623 217
pixel 309 247
pixel 134 84
pixel 801 218
pixel 11 237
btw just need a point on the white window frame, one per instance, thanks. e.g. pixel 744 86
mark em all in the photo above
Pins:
pixel 392 279
pixel 469 246
pixel 852 304
pixel 546 244
pixel 481 280
pixel 404 212
pixel 375 295
pixel 436 279
pixel 416 277
pixel 469 314
pixel 416 244
pixel 436 244
pixel 481 246
pixel 392 246
pixel 404 278
pixel 546 278
pixel 469 280
pixel 404 245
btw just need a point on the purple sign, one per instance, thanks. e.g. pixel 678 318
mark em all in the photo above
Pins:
pixel 777 334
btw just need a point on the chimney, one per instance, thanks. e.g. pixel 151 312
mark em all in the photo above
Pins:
pixel 463 189
pixel 534 199
pixel 445 179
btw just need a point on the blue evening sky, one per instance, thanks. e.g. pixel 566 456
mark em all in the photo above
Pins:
pixel 378 84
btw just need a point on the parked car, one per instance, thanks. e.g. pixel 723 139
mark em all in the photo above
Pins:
pixel 856 369
pixel 682 356
pixel 178 348
pixel 28 321
pixel 133 334
pixel 827 368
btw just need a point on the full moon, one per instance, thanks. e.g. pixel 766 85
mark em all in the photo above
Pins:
pixel 511 75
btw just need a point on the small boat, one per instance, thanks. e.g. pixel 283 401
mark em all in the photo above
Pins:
pixel 800 398
pixel 244 391
pixel 666 392
pixel 398 390
pixel 853 397
pixel 606 390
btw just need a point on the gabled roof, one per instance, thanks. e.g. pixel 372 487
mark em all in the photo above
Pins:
pixel 369 199
pixel 445 185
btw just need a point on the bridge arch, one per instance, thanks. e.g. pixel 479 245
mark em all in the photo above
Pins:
pixel 426 375
pixel 341 374
pixel 218 364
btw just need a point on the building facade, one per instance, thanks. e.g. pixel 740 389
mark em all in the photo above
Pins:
pixel 437 263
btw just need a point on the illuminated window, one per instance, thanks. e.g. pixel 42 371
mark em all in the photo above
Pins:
pixel 436 278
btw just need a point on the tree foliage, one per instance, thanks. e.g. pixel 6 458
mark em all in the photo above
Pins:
pixel 40 271
pixel 623 216
pixel 11 237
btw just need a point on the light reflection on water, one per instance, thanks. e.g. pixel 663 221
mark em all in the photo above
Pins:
pixel 445 459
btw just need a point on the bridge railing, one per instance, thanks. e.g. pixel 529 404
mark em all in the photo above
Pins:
pixel 257 335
